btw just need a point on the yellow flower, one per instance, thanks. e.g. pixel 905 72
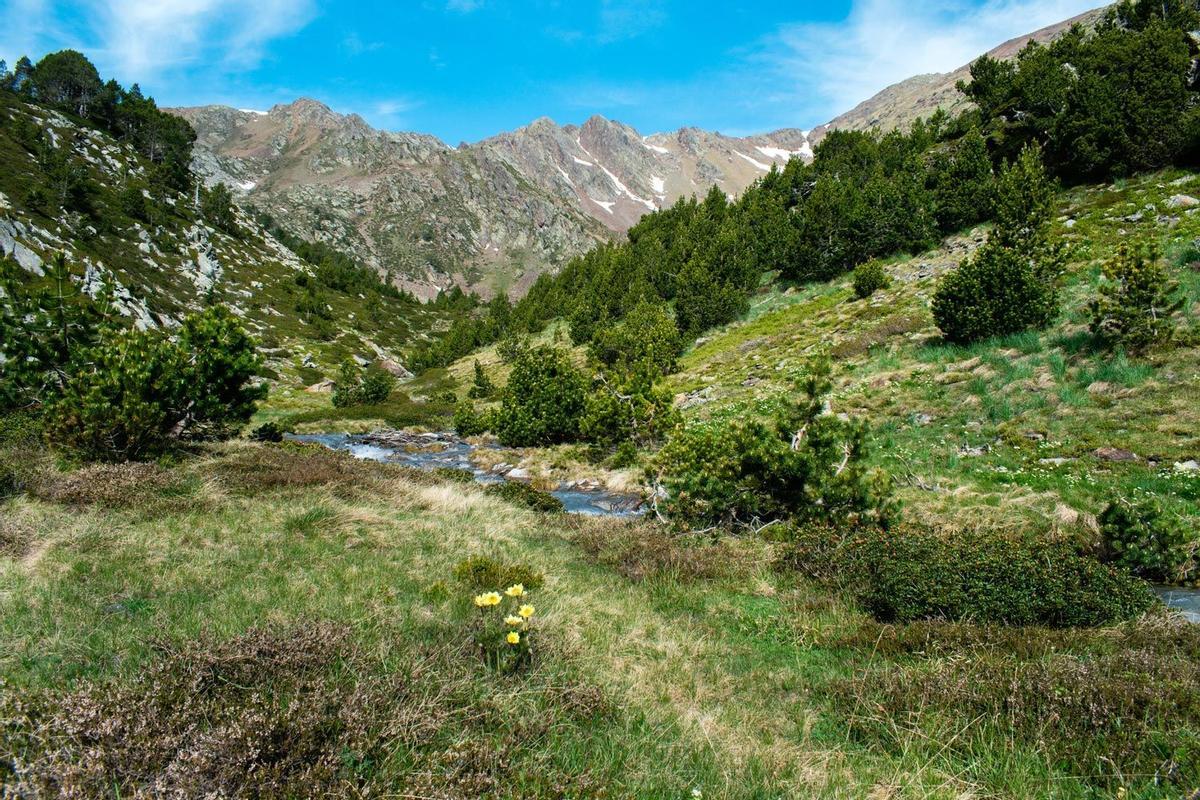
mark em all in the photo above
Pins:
pixel 487 599
pixel 513 637
pixel 513 621
pixel 526 611
pixel 516 590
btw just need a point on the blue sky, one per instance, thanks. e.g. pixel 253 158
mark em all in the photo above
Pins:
pixel 466 69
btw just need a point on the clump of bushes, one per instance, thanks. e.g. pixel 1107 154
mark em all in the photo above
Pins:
pixel 1136 303
pixel 469 422
pixel 869 278
pixel 806 465
pixel 140 393
pixel 647 337
pixel 362 387
pixel 1140 537
pixel 543 401
pixel 1010 284
pixel 913 573
pixel 20 448
pixel 478 573
pixel 522 494
pixel 268 432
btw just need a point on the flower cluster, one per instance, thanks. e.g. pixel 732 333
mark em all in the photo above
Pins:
pixel 504 622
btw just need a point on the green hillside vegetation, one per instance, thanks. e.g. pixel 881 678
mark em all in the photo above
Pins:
pixel 917 426
pixel 95 173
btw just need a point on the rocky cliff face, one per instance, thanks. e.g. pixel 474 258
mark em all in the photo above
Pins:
pixel 489 216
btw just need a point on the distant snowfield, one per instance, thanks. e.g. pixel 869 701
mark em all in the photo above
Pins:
pixel 605 204
pixel 661 150
pixel 246 186
pixel 759 164
pixel 658 184
pixel 579 160
pixel 253 111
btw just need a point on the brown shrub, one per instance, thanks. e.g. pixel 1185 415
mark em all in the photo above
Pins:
pixel 147 487
pixel 265 714
pixel 640 550
pixel 258 468
pixel 15 537
pixel 1125 704
pixel 895 325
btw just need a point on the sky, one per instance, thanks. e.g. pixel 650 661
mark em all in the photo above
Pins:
pixel 467 69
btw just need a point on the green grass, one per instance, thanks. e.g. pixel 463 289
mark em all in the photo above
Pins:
pixel 663 664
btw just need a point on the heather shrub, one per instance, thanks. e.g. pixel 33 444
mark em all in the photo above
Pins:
pixel 1140 537
pixel 478 573
pixel 268 432
pixel 869 278
pixel 913 573
pixel 524 495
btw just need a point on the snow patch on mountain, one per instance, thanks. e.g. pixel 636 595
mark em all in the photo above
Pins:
pixel 660 150
pixel 758 164
pixel 658 184
pixel 607 205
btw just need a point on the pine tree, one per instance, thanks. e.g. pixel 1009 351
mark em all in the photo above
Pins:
pixel 1137 300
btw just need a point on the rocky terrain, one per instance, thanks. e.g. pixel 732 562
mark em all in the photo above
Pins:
pixel 490 216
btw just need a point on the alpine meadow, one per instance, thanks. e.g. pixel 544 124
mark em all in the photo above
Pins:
pixel 857 460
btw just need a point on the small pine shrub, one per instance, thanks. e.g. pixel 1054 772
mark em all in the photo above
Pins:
pixel 913 573
pixel 524 495
pixel 1135 307
pixel 807 465
pixel 997 292
pixel 482 388
pixel 362 387
pixel 870 278
pixel 478 573
pixel 543 401
pixel 469 422
pixel 1140 537
pixel 268 432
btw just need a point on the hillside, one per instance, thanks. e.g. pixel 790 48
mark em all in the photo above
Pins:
pixel 488 216
pixel 899 105
pixel 163 260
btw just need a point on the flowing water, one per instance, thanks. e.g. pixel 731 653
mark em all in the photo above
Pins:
pixel 1181 600
pixel 434 450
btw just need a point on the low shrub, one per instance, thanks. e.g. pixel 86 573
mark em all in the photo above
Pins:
pixel 129 485
pixel 362 387
pixel 256 469
pixel 807 465
pixel 21 453
pixel 1121 719
pixel 913 573
pixel 268 432
pixel 269 713
pixel 641 550
pixel 478 573
pixel 454 475
pixel 1140 537
pixel 869 278
pixel 998 291
pixel 524 495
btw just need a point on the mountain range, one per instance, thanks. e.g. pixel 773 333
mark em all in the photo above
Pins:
pixel 493 215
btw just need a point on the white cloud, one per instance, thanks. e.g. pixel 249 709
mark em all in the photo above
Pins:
pixel 139 40
pixel 23 26
pixel 834 66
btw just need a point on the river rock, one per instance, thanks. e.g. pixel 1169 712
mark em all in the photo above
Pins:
pixel 1182 201
pixel 320 387
pixel 1187 466
pixel 518 474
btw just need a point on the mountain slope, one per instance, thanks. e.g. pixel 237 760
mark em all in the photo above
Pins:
pixel 491 215
pixel 163 258
pixel 899 105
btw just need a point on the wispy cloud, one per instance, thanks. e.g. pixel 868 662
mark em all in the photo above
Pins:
pixel 354 45
pixel 139 38
pixel 627 19
pixel 833 66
